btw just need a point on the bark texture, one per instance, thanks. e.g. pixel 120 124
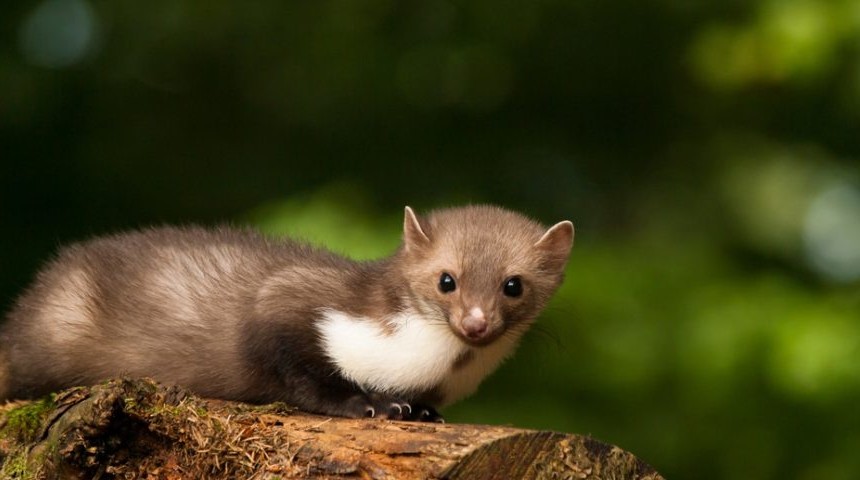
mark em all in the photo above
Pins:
pixel 139 429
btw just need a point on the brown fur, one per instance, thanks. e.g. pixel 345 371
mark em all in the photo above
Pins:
pixel 230 313
pixel 4 374
pixel 481 247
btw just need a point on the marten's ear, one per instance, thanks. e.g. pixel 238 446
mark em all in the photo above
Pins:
pixel 556 243
pixel 413 234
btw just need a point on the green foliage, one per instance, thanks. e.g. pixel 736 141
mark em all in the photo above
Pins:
pixel 337 216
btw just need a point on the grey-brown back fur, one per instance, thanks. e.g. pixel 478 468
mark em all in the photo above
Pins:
pixel 171 301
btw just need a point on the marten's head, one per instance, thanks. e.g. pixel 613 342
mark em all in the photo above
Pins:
pixel 486 270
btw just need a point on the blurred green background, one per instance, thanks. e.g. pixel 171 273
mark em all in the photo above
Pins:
pixel 706 151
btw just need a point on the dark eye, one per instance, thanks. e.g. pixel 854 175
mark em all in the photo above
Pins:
pixel 447 283
pixel 513 287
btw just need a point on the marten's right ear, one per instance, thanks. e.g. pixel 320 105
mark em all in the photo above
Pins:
pixel 413 235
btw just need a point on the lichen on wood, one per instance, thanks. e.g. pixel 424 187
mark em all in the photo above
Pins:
pixel 127 428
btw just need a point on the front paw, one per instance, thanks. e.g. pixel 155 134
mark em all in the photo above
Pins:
pixel 394 408
pixel 426 413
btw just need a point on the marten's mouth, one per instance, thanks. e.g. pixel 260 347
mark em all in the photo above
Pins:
pixel 477 340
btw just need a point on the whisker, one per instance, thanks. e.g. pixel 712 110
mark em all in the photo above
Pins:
pixel 545 332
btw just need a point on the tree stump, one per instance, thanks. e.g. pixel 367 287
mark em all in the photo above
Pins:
pixel 139 429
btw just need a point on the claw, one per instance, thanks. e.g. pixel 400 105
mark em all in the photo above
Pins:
pixel 369 412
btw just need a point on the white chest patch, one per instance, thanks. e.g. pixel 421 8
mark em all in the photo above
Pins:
pixel 414 355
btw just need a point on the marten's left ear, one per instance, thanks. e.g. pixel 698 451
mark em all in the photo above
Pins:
pixel 413 235
pixel 557 242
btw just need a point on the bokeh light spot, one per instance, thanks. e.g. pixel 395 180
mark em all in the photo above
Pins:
pixel 58 33
pixel 832 233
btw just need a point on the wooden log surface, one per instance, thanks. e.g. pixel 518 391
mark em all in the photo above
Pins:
pixel 139 429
